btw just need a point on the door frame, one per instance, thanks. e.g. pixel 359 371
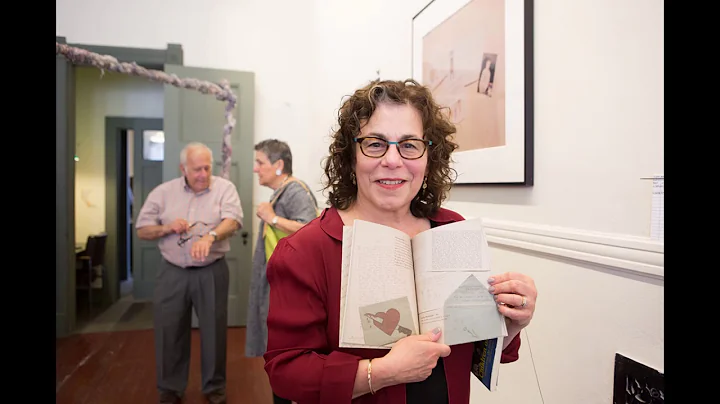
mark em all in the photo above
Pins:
pixel 65 290
pixel 115 191
pixel 65 315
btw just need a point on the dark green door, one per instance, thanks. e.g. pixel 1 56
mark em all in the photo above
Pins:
pixel 148 156
pixel 193 116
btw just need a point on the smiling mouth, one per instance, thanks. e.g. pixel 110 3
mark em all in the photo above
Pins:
pixel 390 182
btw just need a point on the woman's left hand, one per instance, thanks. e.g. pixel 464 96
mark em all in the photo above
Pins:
pixel 265 212
pixel 516 296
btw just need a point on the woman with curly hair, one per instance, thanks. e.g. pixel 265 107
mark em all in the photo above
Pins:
pixel 389 163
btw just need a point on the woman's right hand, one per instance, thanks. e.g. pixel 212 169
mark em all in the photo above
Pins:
pixel 410 360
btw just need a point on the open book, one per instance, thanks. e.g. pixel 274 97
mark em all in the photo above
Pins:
pixel 394 286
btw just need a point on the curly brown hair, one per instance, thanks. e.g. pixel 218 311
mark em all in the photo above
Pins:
pixel 356 111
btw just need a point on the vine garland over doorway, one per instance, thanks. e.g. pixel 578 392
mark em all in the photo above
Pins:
pixel 221 91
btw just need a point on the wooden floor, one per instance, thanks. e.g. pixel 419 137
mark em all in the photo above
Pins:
pixel 119 367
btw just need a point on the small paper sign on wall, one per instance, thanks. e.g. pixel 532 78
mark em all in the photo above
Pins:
pixel 657 222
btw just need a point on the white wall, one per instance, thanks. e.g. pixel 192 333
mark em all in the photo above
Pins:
pixel 96 98
pixel 581 231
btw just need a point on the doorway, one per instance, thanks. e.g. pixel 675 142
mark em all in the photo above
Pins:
pixel 187 116
pixel 103 151
pixel 134 153
pixel 67 146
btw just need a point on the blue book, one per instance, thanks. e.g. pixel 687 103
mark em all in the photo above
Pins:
pixel 486 361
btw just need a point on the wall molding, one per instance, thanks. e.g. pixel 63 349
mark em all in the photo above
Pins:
pixel 637 255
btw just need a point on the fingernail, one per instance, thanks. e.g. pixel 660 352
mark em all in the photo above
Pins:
pixel 436 330
pixel 491 280
pixel 491 289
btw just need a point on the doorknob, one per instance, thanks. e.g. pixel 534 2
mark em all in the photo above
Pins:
pixel 244 237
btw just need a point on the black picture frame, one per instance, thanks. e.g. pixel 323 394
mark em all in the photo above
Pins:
pixel 510 163
pixel 637 383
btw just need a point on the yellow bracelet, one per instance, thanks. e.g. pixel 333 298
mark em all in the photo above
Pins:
pixel 370 376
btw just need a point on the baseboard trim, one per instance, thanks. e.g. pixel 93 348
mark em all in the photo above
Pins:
pixel 636 255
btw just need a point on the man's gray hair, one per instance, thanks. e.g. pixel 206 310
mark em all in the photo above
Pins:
pixel 193 145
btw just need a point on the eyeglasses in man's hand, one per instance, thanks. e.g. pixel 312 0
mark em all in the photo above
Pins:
pixel 197 229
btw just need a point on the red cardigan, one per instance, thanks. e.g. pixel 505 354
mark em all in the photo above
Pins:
pixel 303 360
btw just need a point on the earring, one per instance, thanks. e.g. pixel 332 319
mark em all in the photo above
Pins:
pixel 352 177
pixel 278 172
pixel 425 194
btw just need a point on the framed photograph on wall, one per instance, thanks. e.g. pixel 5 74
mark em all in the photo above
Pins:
pixel 476 56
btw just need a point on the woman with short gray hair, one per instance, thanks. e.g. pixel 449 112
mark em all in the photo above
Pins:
pixel 291 206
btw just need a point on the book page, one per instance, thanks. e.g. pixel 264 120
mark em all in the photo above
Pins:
pixel 346 257
pixel 452 265
pixel 344 275
pixel 380 305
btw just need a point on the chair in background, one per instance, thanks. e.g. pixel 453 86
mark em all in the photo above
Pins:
pixel 90 265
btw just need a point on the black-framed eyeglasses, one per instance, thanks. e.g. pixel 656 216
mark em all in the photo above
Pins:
pixel 376 147
pixel 197 229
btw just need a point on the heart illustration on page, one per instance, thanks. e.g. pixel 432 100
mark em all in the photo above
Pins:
pixel 387 321
pixel 390 321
